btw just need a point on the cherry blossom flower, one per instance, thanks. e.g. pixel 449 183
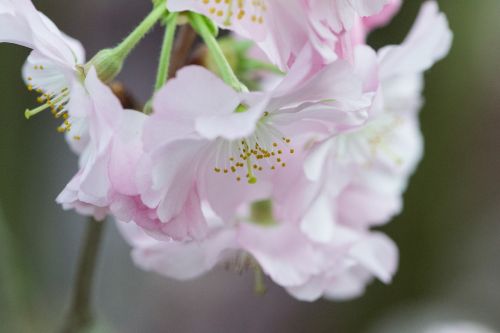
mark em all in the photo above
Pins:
pixel 370 165
pixel 307 269
pixel 206 141
pixel 283 27
pixel 358 178
pixel 96 126
pixel 107 162
pixel 53 69
pixel 288 181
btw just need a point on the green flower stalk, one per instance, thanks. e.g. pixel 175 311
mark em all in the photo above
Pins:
pixel 166 51
pixel 205 29
pixel 109 62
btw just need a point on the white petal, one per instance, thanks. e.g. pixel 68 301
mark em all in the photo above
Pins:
pixel 379 255
pixel 317 223
pixel 22 24
pixel 195 92
pixel 316 161
pixel 428 42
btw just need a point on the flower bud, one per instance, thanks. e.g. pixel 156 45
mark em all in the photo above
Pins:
pixel 108 64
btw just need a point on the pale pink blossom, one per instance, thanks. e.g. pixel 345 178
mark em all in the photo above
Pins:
pixel 53 69
pixel 282 28
pixel 105 136
pixel 307 269
pixel 206 141
pixel 319 242
pixel 361 174
pixel 107 164
pixel 356 179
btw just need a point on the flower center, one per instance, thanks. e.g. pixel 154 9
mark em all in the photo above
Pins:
pixel 370 143
pixel 379 139
pixel 265 150
pixel 55 100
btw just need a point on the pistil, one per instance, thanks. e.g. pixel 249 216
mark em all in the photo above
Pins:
pixel 52 104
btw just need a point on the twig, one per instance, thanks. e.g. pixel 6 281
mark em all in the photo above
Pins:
pixel 79 317
pixel 182 48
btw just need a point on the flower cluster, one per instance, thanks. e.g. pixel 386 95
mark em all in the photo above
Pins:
pixel 289 179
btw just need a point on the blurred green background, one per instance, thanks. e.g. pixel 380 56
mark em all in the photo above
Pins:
pixel 448 235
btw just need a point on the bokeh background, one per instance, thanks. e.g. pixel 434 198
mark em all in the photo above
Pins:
pixel 448 235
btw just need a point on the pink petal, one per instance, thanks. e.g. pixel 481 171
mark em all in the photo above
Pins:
pixel 284 254
pixel 178 260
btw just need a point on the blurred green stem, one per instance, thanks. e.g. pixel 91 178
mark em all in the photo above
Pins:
pixel 80 317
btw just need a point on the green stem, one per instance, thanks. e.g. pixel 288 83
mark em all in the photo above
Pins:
pixel 79 318
pixel 166 51
pixel 109 62
pixel 131 41
pixel 200 24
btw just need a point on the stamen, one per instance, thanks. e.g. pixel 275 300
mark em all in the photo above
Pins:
pixel 251 177
pixel 55 101
pixel 266 149
pixel 30 113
